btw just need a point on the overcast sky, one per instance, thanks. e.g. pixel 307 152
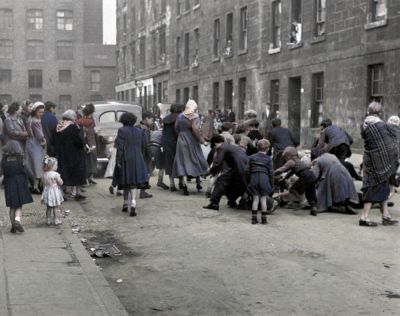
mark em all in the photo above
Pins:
pixel 109 19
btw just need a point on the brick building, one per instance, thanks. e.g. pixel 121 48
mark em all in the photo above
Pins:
pixel 52 50
pixel 303 60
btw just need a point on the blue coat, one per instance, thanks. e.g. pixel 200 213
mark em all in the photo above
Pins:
pixel 130 167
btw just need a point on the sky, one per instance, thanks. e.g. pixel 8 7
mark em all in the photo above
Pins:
pixel 109 22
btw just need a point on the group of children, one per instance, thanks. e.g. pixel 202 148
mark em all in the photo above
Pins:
pixel 16 186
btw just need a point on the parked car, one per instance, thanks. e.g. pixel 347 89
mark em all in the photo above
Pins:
pixel 106 117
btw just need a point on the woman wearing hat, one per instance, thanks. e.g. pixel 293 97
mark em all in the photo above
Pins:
pixel 35 146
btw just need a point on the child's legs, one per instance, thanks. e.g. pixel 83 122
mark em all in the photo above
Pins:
pixel 256 201
pixel 171 181
pixel 127 194
pixel 134 194
pixel 12 215
pixel 161 176
pixel 263 201
pixel 18 214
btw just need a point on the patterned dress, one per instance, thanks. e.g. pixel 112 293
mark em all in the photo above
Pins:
pixel 52 195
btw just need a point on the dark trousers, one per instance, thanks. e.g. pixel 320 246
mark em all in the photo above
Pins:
pixel 342 152
pixel 231 184
pixel 306 184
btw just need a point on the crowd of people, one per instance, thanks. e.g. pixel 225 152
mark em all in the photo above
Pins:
pixel 255 169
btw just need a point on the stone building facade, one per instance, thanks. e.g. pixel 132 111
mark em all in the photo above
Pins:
pixel 301 60
pixel 43 52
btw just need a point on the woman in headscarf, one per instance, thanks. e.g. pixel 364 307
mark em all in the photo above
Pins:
pixel 189 159
pixel 35 146
pixel 380 162
pixel 70 149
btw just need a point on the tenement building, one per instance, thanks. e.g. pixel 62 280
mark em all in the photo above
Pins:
pixel 301 60
pixel 52 50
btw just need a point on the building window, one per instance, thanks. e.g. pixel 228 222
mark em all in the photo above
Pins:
pixel 216 37
pixel 162 45
pixel 5 75
pixel 242 96
pixel 65 50
pixel 35 79
pixel 34 19
pixel 317 99
pixel 195 93
pixel 133 19
pixel 196 48
pixel 35 97
pixel 378 10
pixel 216 95
pixel 142 13
pixel 320 17
pixel 243 28
pixel 65 76
pixel 186 51
pixel 154 49
pixel 276 25
pixel 142 48
pixel 295 22
pixel 178 7
pixel 65 20
pixel 96 97
pixel 178 52
pixel 65 101
pixel 6 49
pixel 95 80
pixel 274 97
pixel 133 57
pixel 6 19
pixel 124 61
pixel 124 23
pixel 376 82
pixel 228 51
pixel 6 98
pixel 187 5
pixel 163 6
pixel 186 95
pixel 34 50
pixel 155 10
pixel 165 91
pixel 178 96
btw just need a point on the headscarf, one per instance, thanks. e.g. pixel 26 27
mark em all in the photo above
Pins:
pixel 190 110
pixel 36 105
pixel 289 153
pixel 13 148
pixel 69 115
pixel 394 120
pixel 371 119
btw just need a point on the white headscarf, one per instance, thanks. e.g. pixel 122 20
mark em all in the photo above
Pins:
pixel 36 105
pixel 394 120
pixel 69 115
pixel 191 110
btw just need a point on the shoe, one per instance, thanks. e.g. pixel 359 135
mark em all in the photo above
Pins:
pixel 313 210
pixel 273 208
pixel 163 186
pixel 367 223
pixel 263 220
pixel 57 222
pixel 212 207
pixel 390 204
pixel 79 197
pixel 13 230
pixel 208 194
pixel 145 195
pixel 18 227
pixel 133 212
pixel 35 191
pixel 173 189
pixel 119 193
pixel 232 204
pixel 387 221
pixel 185 190
pixel 350 210
pixel 111 189
pixel 180 186
pixel 254 220
pixel 91 181
pixel 124 209
pixel 199 187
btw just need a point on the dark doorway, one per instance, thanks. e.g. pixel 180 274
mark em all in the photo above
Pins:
pixel 228 94
pixel 294 107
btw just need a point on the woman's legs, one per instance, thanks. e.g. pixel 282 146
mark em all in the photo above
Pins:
pixel 12 220
pixel 17 222
pixel 254 208
pixel 198 184
pixel 172 183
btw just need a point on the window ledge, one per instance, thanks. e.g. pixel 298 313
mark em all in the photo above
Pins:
pixel 318 39
pixel 295 46
pixel 374 25
pixel 178 16
pixel 186 12
pixel 242 51
pixel 273 51
pixel 196 7
pixel 178 70
pixel 215 59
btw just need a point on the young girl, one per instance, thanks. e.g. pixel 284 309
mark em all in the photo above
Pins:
pixel 52 195
pixel 16 188
pixel 261 181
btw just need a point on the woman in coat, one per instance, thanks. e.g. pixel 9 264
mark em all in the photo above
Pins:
pixel 14 127
pixel 335 187
pixel 130 173
pixel 189 159
pixel 70 149
pixel 168 141
pixel 35 146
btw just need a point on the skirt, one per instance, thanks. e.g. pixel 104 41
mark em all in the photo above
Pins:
pixel 377 193
pixel 259 184
pixel 52 196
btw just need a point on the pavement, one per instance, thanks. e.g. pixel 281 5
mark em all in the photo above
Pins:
pixel 47 271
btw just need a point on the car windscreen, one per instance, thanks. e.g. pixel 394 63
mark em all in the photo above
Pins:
pixel 107 117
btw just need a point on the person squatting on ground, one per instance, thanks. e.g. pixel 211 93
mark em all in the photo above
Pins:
pixel 261 180
pixel 230 161
pixel 16 188
pixel 306 178
pixel 52 195
pixel 130 173
pixel 380 163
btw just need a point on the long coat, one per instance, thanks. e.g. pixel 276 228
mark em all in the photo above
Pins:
pixel 335 184
pixel 71 156
pixel 130 167
pixel 35 149
pixel 168 140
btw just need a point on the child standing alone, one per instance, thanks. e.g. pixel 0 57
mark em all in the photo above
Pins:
pixel 16 188
pixel 261 181
pixel 52 195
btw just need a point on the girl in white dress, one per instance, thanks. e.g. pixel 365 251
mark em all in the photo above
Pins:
pixel 52 194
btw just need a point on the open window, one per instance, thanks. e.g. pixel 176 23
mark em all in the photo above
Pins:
pixel 296 26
